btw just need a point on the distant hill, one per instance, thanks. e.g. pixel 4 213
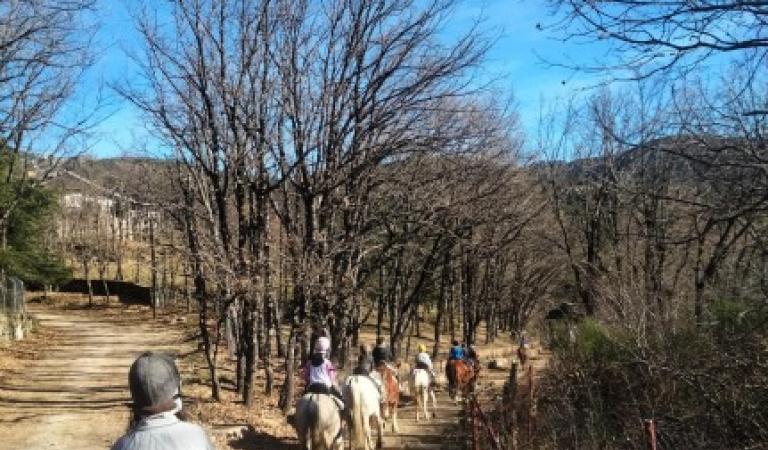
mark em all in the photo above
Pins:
pixel 145 180
pixel 676 158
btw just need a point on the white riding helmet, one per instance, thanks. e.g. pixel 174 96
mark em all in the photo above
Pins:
pixel 322 345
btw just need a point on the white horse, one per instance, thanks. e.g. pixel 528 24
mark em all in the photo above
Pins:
pixel 362 397
pixel 318 422
pixel 421 391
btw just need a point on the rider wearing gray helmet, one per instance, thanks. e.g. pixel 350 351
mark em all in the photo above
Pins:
pixel 155 386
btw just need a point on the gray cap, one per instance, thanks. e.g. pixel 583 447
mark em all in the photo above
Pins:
pixel 154 380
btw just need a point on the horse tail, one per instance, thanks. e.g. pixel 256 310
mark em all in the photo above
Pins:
pixel 450 372
pixel 312 432
pixel 308 438
pixel 419 388
pixel 359 439
pixel 425 399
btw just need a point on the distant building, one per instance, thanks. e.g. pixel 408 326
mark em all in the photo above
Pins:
pixel 104 214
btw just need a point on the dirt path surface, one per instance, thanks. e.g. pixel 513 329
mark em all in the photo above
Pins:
pixel 441 432
pixel 445 430
pixel 73 395
pixel 68 388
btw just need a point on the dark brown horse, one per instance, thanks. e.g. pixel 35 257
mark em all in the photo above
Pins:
pixel 461 377
pixel 522 354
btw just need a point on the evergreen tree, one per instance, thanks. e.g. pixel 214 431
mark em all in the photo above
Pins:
pixel 28 209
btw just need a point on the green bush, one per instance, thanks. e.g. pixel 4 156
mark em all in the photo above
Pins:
pixel 703 389
pixel 24 253
pixel 593 340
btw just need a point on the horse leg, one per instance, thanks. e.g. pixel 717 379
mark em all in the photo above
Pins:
pixel 417 396
pixel 434 402
pixel 395 426
pixel 368 437
pixel 333 442
pixel 383 416
pixel 308 439
pixel 425 401
pixel 380 432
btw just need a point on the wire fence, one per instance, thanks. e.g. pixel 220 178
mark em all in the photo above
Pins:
pixel 13 317
pixel 506 421
pixel 11 295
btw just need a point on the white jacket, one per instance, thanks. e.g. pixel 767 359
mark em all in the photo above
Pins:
pixel 164 432
pixel 424 358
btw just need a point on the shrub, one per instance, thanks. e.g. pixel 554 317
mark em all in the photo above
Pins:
pixel 703 389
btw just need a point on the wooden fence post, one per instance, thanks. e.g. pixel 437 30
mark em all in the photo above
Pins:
pixel 650 434
pixel 530 402
pixel 475 425
pixel 512 406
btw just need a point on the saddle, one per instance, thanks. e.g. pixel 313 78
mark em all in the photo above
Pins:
pixel 319 388
pixel 421 365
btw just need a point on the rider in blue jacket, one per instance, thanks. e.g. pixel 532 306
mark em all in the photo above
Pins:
pixel 457 352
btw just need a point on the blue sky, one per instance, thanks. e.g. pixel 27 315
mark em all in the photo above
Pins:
pixel 512 62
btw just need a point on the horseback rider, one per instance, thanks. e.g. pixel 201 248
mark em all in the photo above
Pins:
pixel 319 373
pixel 364 362
pixel 158 420
pixel 424 361
pixel 522 349
pixel 381 354
pixel 471 357
pixel 382 357
pixel 457 352
pixel 523 340
pixel 317 332
pixel 365 367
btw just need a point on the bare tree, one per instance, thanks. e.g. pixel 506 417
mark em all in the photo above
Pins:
pixel 44 47
pixel 651 37
pixel 361 83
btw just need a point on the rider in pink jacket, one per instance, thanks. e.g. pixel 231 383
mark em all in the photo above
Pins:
pixel 319 373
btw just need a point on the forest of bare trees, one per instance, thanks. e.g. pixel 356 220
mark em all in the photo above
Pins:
pixel 335 167
pixel 334 164
pixel 660 217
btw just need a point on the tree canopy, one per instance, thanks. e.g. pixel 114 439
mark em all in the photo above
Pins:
pixel 29 209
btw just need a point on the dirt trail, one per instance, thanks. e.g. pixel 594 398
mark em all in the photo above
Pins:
pixel 440 432
pixel 445 431
pixel 74 395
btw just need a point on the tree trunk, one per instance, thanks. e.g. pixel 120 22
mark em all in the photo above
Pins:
pixel 441 306
pixel 153 264
pixel 381 298
pixel 119 252
pixel 86 267
pixel 451 306
pixel 200 294
pixel 208 350
pixel 251 354
pixel 106 288
pixel 287 392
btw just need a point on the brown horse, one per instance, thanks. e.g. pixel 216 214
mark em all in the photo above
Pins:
pixel 391 395
pixel 522 355
pixel 461 377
